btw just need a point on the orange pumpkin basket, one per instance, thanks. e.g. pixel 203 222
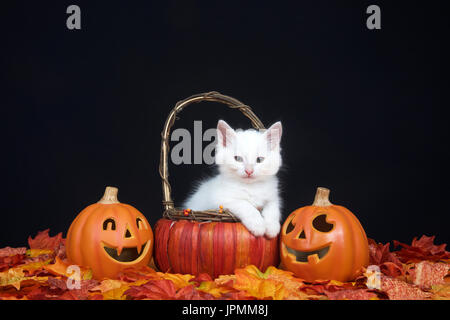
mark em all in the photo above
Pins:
pixel 210 241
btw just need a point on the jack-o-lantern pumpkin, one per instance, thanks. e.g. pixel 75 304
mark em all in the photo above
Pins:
pixel 323 241
pixel 109 236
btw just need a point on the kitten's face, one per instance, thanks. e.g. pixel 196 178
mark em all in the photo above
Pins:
pixel 248 155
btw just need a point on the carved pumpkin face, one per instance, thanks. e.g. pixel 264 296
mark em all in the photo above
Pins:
pixel 109 236
pixel 323 241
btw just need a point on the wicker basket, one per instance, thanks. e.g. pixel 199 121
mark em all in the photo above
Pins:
pixel 170 211
pixel 211 241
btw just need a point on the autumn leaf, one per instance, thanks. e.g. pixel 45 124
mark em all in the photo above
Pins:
pixel 153 289
pixel 441 291
pixel 109 284
pixel 422 249
pixel 41 272
pixel 225 280
pixel 426 274
pixel 44 241
pixel 379 253
pixel 33 253
pixel 12 277
pixel 7 262
pixel 32 268
pixel 317 288
pixel 59 268
pixel 190 293
pixel 79 292
pixel 133 274
pixel 116 293
pixel 8 251
pixel 254 283
pixel 201 278
pixel 397 289
pixel 391 269
pixel 114 289
pixel 165 290
pixel 179 280
pixel 213 289
pixel 387 261
pixel 350 294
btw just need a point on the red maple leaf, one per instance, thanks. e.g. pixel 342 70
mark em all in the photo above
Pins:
pixel 11 261
pixel 44 241
pixel 154 289
pixel 8 251
pixel 379 253
pixel 422 249
pixel 352 294
pixel 200 278
pixel 391 269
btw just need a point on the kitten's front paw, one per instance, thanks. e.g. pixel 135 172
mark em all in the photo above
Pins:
pixel 272 228
pixel 255 226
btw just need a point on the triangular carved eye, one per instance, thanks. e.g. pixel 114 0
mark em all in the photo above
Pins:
pixel 290 227
pixel 320 223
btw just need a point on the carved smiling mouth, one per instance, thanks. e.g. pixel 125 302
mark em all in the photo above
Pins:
pixel 302 256
pixel 127 254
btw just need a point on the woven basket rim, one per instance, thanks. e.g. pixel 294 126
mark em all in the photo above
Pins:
pixel 200 215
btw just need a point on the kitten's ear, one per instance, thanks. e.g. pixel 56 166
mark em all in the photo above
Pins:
pixel 273 135
pixel 225 134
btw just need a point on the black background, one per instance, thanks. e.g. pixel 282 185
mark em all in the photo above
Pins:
pixel 362 110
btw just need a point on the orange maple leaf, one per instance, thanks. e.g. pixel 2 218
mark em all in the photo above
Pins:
pixel 60 268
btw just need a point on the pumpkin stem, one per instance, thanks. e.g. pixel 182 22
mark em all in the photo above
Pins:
pixel 110 196
pixel 322 197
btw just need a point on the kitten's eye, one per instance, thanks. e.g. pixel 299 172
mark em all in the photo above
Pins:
pixel 259 159
pixel 238 159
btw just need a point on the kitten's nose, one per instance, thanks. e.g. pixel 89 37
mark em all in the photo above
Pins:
pixel 249 172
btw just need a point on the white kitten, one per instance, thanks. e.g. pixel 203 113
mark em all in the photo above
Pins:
pixel 247 184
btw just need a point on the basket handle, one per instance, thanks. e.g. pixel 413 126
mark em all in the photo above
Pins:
pixel 164 158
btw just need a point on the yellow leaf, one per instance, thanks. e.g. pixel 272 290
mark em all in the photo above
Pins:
pixel 336 283
pixel 12 277
pixel 179 280
pixel 38 252
pixel 223 279
pixel 37 279
pixel 253 270
pixel 286 277
pixel 109 284
pixel 31 267
pixel 252 281
pixel 441 291
pixel 117 293
pixel 212 288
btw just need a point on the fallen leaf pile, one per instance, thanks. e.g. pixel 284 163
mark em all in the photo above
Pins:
pixel 41 272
